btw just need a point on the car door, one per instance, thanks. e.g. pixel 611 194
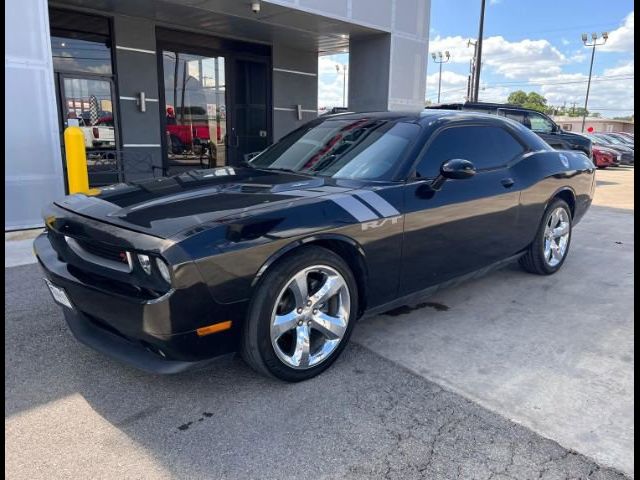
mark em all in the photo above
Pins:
pixel 467 224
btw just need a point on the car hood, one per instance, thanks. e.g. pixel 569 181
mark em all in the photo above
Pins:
pixel 164 207
pixel 576 138
pixel 599 148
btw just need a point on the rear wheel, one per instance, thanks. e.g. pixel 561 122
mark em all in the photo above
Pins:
pixel 301 315
pixel 548 251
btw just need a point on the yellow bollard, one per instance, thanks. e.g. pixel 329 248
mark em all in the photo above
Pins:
pixel 77 174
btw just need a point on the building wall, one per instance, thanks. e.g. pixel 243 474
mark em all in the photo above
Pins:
pixel 295 82
pixel 600 125
pixel 136 67
pixel 33 169
pixel 385 73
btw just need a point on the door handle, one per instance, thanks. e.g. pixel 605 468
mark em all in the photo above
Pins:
pixel 507 182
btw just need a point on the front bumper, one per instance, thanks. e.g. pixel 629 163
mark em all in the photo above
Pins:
pixel 148 334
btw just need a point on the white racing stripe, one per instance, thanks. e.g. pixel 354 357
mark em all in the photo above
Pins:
pixel 361 204
pixel 377 202
pixel 354 207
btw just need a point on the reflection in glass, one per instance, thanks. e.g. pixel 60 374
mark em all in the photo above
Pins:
pixel 195 109
pixel 90 55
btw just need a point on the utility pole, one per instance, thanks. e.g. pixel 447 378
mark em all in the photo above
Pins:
pixel 440 61
pixel 593 44
pixel 478 56
pixel 472 70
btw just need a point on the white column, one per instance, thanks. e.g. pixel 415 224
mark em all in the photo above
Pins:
pixel 33 164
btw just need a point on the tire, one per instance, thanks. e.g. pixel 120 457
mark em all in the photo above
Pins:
pixel 274 296
pixel 535 260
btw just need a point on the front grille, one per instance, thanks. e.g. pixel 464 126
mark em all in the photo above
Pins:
pixel 105 251
pixel 102 254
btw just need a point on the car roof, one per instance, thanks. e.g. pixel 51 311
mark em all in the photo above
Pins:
pixel 480 105
pixel 421 117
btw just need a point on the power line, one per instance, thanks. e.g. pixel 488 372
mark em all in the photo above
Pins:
pixel 501 84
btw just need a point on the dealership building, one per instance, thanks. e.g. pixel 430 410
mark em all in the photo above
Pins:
pixel 163 86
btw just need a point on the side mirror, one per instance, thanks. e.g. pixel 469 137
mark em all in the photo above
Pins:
pixel 454 169
pixel 457 169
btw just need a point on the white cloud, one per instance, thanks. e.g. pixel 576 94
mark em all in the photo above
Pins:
pixel 621 39
pixel 454 87
pixel 511 59
pixel 519 59
pixel 330 82
pixel 608 96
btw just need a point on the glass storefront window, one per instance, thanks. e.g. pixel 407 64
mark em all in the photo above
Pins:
pixel 195 109
pixel 75 55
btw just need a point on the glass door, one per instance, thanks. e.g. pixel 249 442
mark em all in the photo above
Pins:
pixel 88 101
pixel 194 108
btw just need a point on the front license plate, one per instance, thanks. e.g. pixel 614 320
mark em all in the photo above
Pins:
pixel 59 295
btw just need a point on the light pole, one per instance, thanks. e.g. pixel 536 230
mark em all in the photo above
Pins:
pixel 478 56
pixel 440 60
pixel 344 81
pixel 594 44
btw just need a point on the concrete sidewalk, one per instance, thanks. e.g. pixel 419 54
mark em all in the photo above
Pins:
pixel 18 247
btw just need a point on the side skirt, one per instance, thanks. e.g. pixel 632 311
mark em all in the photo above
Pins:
pixel 417 297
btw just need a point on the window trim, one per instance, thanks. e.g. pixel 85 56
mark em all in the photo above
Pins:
pixel 474 123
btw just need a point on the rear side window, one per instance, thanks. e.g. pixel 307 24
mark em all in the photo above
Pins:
pixel 484 146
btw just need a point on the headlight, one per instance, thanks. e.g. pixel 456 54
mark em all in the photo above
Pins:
pixel 164 270
pixel 145 263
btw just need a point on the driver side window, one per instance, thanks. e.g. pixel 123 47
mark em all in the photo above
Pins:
pixel 540 123
pixel 485 146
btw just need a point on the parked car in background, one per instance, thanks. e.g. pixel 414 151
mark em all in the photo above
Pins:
pixel 604 157
pixel 99 135
pixel 629 135
pixel 617 139
pixel 626 153
pixel 346 215
pixel 536 121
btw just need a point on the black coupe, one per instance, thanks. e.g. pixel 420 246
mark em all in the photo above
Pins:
pixel 277 259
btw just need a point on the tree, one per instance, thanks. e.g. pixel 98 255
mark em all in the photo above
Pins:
pixel 532 100
pixel 571 111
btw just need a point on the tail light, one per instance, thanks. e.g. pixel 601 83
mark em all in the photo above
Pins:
pixel 96 132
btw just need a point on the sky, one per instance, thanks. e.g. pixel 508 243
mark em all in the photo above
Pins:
pixel 528 45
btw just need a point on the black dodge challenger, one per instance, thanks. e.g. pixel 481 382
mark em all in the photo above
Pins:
pixel 277 259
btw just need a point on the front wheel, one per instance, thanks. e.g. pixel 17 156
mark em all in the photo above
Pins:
pixel 549 249
pixel 301 315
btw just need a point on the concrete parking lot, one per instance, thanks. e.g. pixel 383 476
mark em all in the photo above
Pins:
pixel 509 376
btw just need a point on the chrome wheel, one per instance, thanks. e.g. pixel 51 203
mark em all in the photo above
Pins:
pixel 556 236
pixel 310 317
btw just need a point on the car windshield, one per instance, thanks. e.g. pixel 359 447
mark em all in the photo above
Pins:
pixel 362 148
pixel 610 139
pixel 597 140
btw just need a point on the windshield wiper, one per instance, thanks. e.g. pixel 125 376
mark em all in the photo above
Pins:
pixel 280 169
